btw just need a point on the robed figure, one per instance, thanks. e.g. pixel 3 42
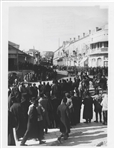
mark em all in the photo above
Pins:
pixel 88 108
pixel 63 113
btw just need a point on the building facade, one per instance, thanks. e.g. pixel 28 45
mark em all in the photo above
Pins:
pixel 98 53
pixel 58 57
pixel 90 49
pixel 16 56
pixel 35 54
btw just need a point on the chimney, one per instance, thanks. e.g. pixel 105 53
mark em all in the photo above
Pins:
pixel 78 37
pixel 89 31
pixel 96 28
pixel 83 34
pixel 74 39
pixel 70 39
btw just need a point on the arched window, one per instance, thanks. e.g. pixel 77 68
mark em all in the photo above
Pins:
pixel 93 62
pixel 99 62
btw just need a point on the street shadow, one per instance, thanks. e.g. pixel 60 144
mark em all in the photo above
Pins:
pixel 92 124
pixel 85 137
pixel 78 133
pixel 89 126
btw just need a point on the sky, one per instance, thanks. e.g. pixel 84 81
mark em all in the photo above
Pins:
pixel 45 28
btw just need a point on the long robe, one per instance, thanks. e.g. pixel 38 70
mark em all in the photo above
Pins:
pixel 77 107
pixel 17 112
pixel 32 128
pixel 64 118
pixel 32 122
pixel 11 125
pixel 88 108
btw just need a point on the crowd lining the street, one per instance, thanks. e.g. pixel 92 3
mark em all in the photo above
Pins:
pixel 88 70
pixel 32 109
pixel 37 73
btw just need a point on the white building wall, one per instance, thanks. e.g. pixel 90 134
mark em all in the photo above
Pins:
pixel 98 55
pixel 99 36
pixel 83 46
pixel 94 61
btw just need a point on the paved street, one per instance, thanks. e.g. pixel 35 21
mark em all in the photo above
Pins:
pixel 93 134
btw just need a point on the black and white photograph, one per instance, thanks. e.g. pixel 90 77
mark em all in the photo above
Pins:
pixel 58 73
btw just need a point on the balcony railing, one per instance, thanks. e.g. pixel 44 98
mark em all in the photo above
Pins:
pixel 98 50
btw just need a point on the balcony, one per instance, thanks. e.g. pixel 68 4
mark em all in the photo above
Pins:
pixel 98 51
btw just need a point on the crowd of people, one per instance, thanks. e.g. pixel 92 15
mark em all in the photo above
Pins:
pixel 89 70
pixel 37 73
pixel 33 109
pixel 43 73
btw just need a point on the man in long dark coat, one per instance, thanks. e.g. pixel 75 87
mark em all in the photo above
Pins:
pixel 32 128
pixel 24 107
pixel 17 112
pixel 11 125
pixel 63 113
pixel 76 100
pixel 88 108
